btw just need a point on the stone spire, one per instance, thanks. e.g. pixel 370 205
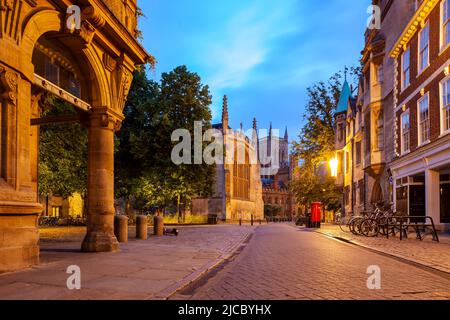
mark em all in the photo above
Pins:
pixel 269 142
pixel 225 114
pixel 242 127
pixel 286 137
pixel 255 137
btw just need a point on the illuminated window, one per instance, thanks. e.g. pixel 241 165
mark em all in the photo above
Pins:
pixel 56 212
pixel 424 40
pixel 241 176
pixel 424 119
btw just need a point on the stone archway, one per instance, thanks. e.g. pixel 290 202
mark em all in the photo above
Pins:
pixel 105 52
pixel 377 193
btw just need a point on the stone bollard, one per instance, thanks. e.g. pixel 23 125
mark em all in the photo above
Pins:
pixel 240 222
pixel 141 227
pixel 158 226
pixel 121 228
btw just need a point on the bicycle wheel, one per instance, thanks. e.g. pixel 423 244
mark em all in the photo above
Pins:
pixel 342 223
pixel 353 225
pixel 370 228
pixel 357 225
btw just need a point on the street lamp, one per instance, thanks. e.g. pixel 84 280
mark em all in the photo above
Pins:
pixel 334 167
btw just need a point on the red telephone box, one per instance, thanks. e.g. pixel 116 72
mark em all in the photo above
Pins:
pixel 316 213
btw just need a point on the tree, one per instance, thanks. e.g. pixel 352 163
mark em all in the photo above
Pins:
pixel 62 152
pixel 153 112
pixel 141 114
pixel 316 143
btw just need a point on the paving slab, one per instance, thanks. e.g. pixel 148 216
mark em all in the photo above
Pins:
pixel 427 252
pixel 151 269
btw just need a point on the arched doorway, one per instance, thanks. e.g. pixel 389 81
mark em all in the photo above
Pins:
pixel 91 68
pixel 377 193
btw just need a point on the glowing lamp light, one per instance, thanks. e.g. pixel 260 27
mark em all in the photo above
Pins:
pixel 334 167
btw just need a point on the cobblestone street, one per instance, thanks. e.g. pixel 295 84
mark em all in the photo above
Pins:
pixel 286 262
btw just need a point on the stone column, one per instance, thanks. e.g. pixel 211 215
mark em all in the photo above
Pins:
pixel 433 196
pixel 100 206
pixel 19 235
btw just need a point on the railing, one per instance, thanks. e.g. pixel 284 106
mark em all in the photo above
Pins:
pixel 418 223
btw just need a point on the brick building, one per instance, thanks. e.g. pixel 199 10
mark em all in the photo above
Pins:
pixel 421 167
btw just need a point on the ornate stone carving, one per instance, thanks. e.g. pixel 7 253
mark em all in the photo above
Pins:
pixel 109 62
pixel 91 19
pixel 125 78
pixel 9 81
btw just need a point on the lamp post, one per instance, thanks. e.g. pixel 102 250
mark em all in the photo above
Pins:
pixel 334 167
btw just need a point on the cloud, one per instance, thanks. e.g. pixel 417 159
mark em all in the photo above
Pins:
pixel 246 42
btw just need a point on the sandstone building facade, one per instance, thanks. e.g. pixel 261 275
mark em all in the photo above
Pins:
pixel 237 190
pixel 87 60
pixel 365 121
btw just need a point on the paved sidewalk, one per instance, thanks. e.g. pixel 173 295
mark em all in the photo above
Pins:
pixel 152 269
pixel 427 252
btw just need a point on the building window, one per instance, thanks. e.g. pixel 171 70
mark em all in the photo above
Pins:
pixel 424 119
pixel 361 191
pixel 347 195
pixel 241 176
pixel 406 71
pixel 445 23
pixel 358 153
pixel 51 72
pixel 340 162
pixel 340 131
pixel 347 162
pixel 367 134
pixel 380 130
pixel 379 73
pixel 445 109
pixel 56 212
pixel 405 129
pixel 424 41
